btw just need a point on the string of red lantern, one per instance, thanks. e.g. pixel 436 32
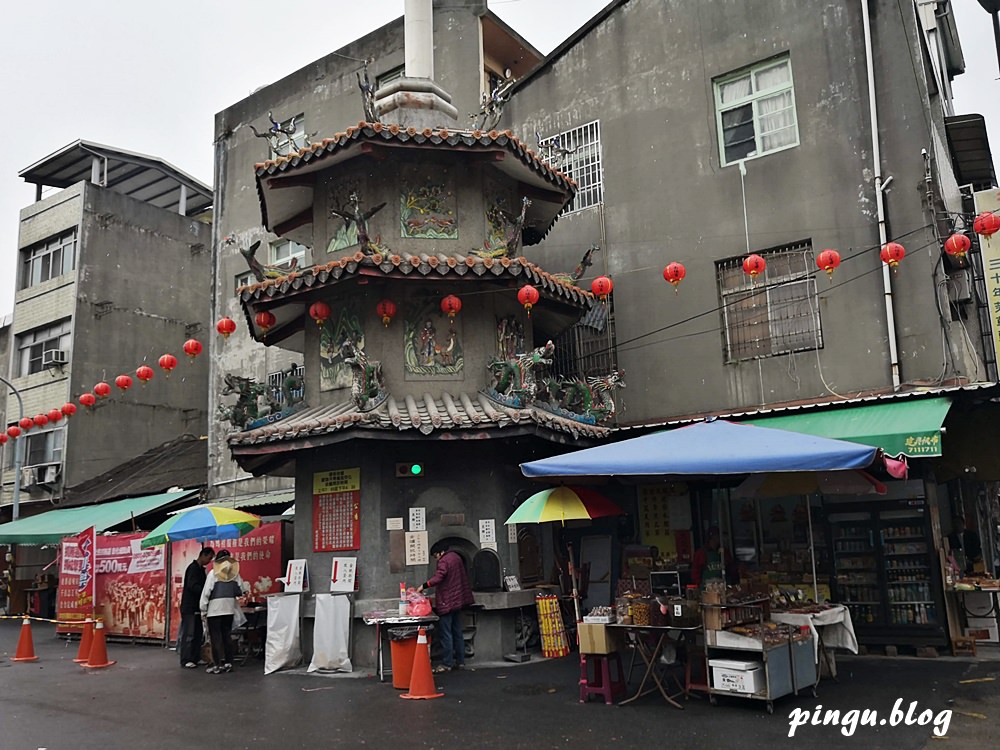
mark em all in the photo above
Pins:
pixel 386 310
pixel 124 382
pixel 192 348
pixel 226 326
pixel 527 295
pixel 144 373
pixel 986 224
pixel 957 245
pixel 265 319
pixel 318 311
pixel 602 286
pixel 451 306
pixel 167 363
pixel 829 261
pixel 102 389
pixel 892 253
pixel 674 273
pixel 754 266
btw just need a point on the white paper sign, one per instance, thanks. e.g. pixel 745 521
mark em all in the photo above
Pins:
pixel 296 578
pixel 418 519
pixel 489 545
pixel 146 560
pixel 344 571
pixel 416 547
pixel 487 532
pixel 512 533
pixel 394 524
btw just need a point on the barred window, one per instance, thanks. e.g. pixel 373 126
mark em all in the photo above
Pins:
pixel 577 154
pixel 46 260
pixel 275 381
pixel 32 345
pixel 777 312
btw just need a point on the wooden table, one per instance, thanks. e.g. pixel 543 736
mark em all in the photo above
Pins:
pixel 661 634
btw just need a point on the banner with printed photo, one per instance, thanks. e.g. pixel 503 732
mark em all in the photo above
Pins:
pixel 130 587
pixel 258 553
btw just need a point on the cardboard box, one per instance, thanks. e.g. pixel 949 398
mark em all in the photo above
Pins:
pixel 737 676
pixel 597 639
pixel 983 629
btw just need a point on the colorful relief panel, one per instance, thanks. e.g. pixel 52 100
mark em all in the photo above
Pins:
pixel 343 234
pixel 510 337
pixel 432 341
pixel 500 214
pixel 428 208
pixel 334 372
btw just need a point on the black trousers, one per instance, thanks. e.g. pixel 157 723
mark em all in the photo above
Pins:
pixel 189 638
pixel 220 629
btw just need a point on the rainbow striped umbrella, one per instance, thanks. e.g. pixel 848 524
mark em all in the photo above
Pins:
pixel 202 522
pixel 563 504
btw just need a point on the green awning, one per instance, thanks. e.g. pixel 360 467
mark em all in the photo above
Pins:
pixel 911 428
pixel 53 525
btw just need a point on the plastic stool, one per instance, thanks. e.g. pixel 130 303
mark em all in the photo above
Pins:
pixel 602 683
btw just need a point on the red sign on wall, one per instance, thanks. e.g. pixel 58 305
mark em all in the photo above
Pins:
pixel 337 510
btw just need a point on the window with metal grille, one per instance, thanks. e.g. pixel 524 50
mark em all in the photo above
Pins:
pixel 577 154
pixel 588 348
pixel 284 143
pixel 284 250
pixel 755 111
pixel 46 260
pixel 777 312
pixel 275 381
pixel 32 345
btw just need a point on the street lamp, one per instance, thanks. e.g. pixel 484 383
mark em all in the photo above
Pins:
pixel 18 452
pixel 993 8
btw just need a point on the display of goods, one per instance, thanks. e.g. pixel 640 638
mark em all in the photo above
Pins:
pixel 772 632
pixel 624 613
pixel 605 615
pixel 551 627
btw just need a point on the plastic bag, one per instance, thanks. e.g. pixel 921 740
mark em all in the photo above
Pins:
pixel 417 605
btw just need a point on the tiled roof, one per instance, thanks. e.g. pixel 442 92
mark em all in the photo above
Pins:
pixel 424 414
pixel 421 265
pixel 442 138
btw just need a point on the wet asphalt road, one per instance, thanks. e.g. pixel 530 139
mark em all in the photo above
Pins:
pixel 146 701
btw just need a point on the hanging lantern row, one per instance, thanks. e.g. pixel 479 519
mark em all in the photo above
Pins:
pixel 892 253
pixel 674 273
pixel 527 295
pixel 957 245
pixel 986 224
pixel 167 363
pixel 144 373
pixel 386 310
pixel 451 306
pixel 829 261
pixel 754 265
pixel 226 326
pixel 602 286
pixel 318 311
pixel 265 319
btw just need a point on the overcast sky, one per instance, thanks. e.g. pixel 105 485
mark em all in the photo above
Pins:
pixel 149 76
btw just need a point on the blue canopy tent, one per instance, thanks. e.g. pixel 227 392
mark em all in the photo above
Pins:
pixel 710 448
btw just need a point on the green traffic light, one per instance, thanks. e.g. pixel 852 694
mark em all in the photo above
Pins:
pixel 416 469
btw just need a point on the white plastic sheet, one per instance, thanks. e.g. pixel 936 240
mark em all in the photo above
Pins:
pixel 282 648
pixel 331 634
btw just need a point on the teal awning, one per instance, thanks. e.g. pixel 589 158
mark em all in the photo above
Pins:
pixel 904 427
pixel 53 525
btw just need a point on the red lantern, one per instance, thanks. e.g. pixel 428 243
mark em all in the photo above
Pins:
pixel 168 362
pixel 602 286
pixel 527 295
pixel 54 415
pixel 192 348
pixel 68 409
pixel 318 311
pixel 144 373
pixel 3 438
pixel 226 326
pixel 986 224
pixel 754 265
pixel 892 253
pixel 124 382
pixel 265 319
pixel 102 389
pixel 386 310
pixel 26 423
pixel 451 305
pixel 829 261
pixel 14 431
pixel 88 400
pixel 957 245
pixel 674 273
pixel 40 420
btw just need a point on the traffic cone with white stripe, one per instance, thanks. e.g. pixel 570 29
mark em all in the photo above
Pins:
pixel 421 678
pixel 86 641
pixel 25 645
pixel 98 657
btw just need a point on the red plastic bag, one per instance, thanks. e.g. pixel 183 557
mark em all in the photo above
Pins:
pixel 417 605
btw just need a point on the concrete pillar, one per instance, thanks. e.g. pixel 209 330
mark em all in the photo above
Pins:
pixel 418 36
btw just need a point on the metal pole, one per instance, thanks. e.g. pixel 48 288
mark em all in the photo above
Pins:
pixel 996 33
pixel 18 452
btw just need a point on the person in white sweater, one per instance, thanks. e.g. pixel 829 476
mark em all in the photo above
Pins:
pixel 220 605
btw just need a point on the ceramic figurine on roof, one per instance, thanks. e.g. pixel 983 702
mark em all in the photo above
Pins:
pixel 247 407
pixel 491 108
pixel 513 228
pixel 260 271
pixel 273 135
pixel 514 379
pixel 359 219
pixel 581 267
pixel 589 399
pixel 555 152
pixel 367 95
pixel 368 387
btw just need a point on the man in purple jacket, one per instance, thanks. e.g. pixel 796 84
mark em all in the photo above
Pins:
pixel 453 594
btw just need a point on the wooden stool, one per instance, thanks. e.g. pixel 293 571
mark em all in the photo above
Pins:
pixel 602 683
pixel 963 646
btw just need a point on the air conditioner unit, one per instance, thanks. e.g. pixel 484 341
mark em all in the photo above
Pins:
pixel 29 477
pixel 51 474
pixel 54 358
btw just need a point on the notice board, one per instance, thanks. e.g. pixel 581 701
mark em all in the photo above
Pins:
pixel 337 510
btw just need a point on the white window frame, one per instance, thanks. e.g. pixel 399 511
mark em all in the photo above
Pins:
pixel 753 100
pixel 281 252
pixel 289 144
pixel 37 259
pixel 788 313
pixel 244 279
pixel 52 442
pixel 32 345
pixel 583 165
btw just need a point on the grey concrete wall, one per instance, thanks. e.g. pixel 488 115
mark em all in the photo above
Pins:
pixel 646 73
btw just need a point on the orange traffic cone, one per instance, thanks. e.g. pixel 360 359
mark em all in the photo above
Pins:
pixel 86 641
pixel 25 645
pixel 421 679
pixel 98 649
